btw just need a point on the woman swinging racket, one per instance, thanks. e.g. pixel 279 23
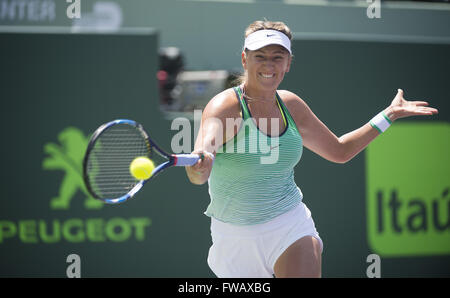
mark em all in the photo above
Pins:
pixel 259 225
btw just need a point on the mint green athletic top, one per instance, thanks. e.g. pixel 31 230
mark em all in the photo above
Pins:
pixel 252 179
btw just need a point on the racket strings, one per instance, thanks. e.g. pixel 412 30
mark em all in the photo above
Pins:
pixel 110 158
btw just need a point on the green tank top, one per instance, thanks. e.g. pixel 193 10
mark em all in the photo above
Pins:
pixel 252 179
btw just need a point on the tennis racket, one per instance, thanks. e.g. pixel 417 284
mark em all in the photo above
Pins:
pixel 110 151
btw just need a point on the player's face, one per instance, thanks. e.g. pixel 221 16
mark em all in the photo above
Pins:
pixel 267 66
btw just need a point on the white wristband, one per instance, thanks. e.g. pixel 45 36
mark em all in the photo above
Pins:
pixel 381 122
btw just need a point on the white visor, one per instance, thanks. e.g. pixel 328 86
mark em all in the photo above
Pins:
pixel 262 38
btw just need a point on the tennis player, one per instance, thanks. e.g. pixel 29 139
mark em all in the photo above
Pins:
pixel 259 225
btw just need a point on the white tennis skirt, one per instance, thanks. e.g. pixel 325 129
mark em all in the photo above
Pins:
pixel 251 251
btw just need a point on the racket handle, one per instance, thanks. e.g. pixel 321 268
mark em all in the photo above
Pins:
pixel 182 160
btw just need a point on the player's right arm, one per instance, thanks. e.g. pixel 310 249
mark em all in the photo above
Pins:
pixel 214 132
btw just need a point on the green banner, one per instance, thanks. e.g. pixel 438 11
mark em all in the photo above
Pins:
pixel 408 183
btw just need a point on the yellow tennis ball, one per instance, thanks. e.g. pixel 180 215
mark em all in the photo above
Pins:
pixel 141 168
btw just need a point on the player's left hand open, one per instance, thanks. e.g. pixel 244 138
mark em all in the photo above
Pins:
pixel 402 108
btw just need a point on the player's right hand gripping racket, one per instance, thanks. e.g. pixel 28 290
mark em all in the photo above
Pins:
pixel 112 148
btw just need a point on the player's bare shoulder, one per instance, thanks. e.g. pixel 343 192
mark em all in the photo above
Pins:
pixel 296 106
pixel 224 105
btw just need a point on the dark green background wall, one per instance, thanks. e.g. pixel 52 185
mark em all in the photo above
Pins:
pixel 54 81
pixel 201 28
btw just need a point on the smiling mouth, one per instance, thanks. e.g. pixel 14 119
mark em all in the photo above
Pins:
pixel 267 76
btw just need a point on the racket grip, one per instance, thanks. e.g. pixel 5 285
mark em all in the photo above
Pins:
pixel 182 160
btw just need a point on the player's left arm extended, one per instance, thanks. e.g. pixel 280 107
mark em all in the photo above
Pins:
pixel 319 139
